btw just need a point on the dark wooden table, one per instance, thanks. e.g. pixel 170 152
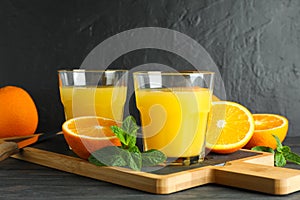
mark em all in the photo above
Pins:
pixel 23 180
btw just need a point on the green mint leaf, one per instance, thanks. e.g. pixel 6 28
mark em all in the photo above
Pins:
pixel 263 148
pixel 285 149
pixel 278 143
pixel 292 157
pixel 134 149
pixel 95 161
pixel 153 157
pixel 279 149
pixel 115 156
pixel 127 133
pixel 119 133
pixel 128 155
pixel 132 142
pixel 282 154
pixel 129 126
pixel 134 160
pixel 280 160
pixel 109 156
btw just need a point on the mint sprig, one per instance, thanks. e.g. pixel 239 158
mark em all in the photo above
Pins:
pixel 282 153
pixel 128 154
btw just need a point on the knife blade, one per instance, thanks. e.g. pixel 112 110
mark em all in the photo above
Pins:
pixel 10 147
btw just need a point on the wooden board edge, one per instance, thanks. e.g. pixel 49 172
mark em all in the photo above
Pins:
pixel 152 183
pixel 262 158
pixel 185 180
pixel 117 175
pixel 148 182
pixel 260 178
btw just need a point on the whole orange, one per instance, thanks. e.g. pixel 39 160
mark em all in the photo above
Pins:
pixel 18 113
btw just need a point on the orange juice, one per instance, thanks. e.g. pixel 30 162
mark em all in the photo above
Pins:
pixel 174 120
pixel 103 101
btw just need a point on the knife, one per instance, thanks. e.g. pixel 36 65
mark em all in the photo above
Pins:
pixel 9 147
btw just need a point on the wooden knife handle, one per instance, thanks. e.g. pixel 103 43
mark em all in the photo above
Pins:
pixel 262 178
pixel 7 149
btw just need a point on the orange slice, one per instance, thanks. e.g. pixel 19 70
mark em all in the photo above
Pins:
pixel 88 134
pixel 231 127
pixel 265 126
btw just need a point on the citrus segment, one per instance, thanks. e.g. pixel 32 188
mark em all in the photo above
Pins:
pixel 231 127
pixel 88 134
pixel 265 126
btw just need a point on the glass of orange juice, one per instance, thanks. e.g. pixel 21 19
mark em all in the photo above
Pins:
pixel 174 110
pixel 93 92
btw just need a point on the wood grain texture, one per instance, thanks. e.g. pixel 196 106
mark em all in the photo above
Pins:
pixel 25 180
pixel 262 178
pixel 7 149
pixel 243 173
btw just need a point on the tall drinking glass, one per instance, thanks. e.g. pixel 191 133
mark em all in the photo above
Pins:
pixel 93 93
pixel 174 110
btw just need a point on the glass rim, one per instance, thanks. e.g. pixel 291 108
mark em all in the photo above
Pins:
pixel 91 70
pixel 187 72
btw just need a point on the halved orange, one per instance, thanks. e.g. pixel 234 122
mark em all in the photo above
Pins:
pixel 231 127
pixel 88 134
pixel 265 126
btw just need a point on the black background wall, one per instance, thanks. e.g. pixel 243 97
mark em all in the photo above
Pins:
pixel 255 43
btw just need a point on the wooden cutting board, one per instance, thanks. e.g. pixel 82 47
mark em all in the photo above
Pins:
pixel 243 169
